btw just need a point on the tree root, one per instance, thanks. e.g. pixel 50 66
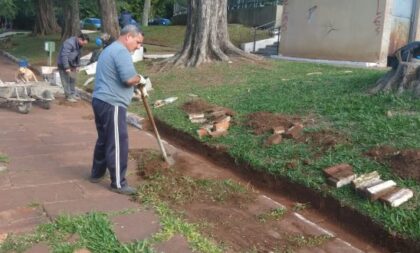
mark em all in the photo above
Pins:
pixel 406 78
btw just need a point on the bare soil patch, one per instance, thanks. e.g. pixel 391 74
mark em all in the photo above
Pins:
pixel 225 210
pixel 262 122
pixel 404 163
pixel 325 139
pixel 201 106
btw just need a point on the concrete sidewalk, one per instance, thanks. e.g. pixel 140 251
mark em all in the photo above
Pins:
pixel 50 154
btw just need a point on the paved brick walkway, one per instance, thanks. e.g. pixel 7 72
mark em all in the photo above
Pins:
pixel 50 155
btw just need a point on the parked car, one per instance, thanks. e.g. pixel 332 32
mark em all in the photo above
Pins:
pixel 159 21
pixel 91 23
pixel 132 22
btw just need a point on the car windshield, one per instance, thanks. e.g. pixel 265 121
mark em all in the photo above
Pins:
pixel 96 21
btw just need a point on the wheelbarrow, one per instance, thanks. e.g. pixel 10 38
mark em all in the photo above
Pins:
pixel 22 95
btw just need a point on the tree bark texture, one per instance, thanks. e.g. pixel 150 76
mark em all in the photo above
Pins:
pixel 45 22
pixel 146 12
pixel 206 36
pixel 109 16
pixel 406 77
pixel 71 19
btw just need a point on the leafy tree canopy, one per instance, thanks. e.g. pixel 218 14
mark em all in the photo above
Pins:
pixel 8 9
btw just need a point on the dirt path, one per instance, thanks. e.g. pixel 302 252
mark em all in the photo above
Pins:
pixel 51 151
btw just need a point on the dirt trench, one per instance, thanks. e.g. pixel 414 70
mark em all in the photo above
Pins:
pixel 233 212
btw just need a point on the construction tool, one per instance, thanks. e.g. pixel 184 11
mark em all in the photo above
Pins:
pixel 169 160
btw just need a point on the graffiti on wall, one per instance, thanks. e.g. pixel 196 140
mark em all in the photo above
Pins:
pixel 377 21
pixel 285 16
pixel 311 13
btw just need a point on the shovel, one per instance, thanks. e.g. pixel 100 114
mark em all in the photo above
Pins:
pixel 167 159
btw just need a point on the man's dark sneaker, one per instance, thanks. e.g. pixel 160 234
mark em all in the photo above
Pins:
pixel 97 179
pixel 126 190
pixel 76 96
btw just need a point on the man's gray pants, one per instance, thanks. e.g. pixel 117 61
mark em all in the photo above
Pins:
pixel 68 80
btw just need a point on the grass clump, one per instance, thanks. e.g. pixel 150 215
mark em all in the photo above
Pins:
pixel 274 214
pixel 4 158
pixel 91 231
pixel 298 241
pixel 300 206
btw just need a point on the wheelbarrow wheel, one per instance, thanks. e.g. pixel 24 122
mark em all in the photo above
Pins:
pixel 46 105
pixel 24 107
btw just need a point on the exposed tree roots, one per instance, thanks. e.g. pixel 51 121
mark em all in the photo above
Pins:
pixel 405 78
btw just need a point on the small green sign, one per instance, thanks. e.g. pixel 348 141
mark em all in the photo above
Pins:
pixel 49 46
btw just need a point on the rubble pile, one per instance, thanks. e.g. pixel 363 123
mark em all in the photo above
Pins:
pixel 214 122
pixel 280 132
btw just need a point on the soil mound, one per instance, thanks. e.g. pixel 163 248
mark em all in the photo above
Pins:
pixel 201 106
pixel 404 163
pixel 262 122
pixel 149 162
pixel 326 139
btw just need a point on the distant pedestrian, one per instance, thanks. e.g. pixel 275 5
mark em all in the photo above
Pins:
pixel 68 61
pixel 125 18
pixel 115 80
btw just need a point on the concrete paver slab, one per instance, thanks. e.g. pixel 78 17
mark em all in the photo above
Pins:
pixel 108 203
pixel 21 219
pixel 296 223
pixel 95 190
pixel 176 244
pixel 16 197
pixel 135 226
pixel 331 246
pixel 38 248
pixel 264 204
pixel 32 162
pixel 45 176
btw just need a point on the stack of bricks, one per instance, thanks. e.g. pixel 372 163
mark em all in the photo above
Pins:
pixel 372 186
pixel 340 175
pixel 369 185
pixel 214 123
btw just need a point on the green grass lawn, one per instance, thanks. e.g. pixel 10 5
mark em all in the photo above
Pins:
pixel 337 99
pixel 157 39
pixel 173 36
pixel 31 48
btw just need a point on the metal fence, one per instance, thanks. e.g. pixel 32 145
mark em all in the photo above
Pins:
pixel 240 4
pixel 180 9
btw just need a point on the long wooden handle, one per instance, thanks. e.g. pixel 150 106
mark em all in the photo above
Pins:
pixel 149 114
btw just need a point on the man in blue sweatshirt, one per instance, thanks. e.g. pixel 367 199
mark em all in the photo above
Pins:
pixel 115 80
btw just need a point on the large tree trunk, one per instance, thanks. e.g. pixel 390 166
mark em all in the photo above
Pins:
pixel 71 18
pixel 146 11
pixel 406 77
pixel 109 16
pixel 45 18
pixel 206 37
